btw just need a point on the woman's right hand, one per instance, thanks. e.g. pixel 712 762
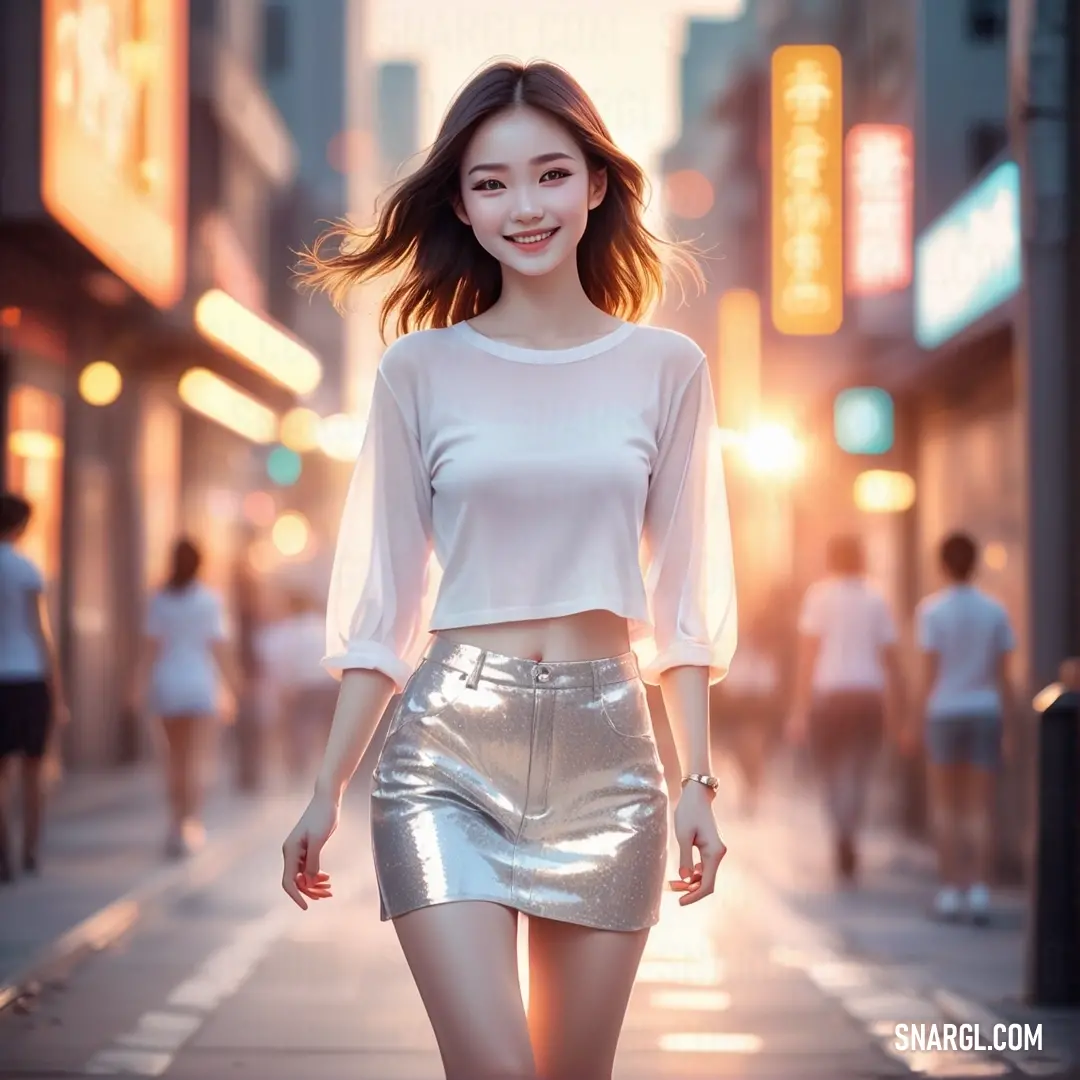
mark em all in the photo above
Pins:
pixel 302 848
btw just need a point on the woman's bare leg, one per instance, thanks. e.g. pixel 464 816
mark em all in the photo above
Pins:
pixel 979 789
pixel 579 986
pixel 33 799
pixel 463 958
pixel 181 765
pixel 946 791
pixel 174 777
pixel 6 869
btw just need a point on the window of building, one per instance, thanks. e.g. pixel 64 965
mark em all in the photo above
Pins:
pixel 985 140
pixel 275 38
pixel 988 19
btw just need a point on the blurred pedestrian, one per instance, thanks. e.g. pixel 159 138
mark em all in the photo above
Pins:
pixel 966 641
pixel 290 651
pixel 557 458
pixel 749 709
pixel 32 709
pixel 180 682
pixel 848 688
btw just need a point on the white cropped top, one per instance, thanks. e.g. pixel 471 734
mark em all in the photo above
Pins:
pixel 499 483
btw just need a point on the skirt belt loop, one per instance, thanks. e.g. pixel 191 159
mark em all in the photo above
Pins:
pixel 474 678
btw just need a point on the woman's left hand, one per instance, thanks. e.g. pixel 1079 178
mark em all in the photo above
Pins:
pixel 695 827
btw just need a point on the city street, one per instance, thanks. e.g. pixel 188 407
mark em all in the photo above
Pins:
pixel 778 976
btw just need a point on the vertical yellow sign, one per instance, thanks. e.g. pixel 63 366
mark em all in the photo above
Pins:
pixel 807 190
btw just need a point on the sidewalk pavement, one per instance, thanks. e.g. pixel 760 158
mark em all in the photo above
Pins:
pixel 103 867
pixel 974 974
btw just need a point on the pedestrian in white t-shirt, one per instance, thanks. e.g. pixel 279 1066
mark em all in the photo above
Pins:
pixel 180 680
pixel 290 651
pixel 847 673
pixel 966 639
pixel 31 696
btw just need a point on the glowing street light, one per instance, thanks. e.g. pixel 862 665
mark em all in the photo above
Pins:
pixel 300 430
pixel 881 491
pixel 772 450
pixel 341 437
pixel 228 405
pixel 100 383
pixel 291 533
pixel 256 342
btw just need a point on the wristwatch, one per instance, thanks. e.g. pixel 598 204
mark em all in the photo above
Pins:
pixel 711 782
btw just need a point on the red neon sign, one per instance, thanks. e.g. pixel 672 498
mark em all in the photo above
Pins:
pixel 879 166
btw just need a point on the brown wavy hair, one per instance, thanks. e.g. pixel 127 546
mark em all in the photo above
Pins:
pixel 447 275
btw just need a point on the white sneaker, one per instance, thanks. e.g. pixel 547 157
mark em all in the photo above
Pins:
pixel 947 903
pixel 978 904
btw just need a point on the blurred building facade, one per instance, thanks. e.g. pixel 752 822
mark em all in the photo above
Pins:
pixel 939 71
pixel 138 240
pixel 397 125
pixel 304 62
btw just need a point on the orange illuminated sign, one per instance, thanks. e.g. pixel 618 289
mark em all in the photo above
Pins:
pixel 739 335
pixel 879 208
pixel 114 134
pixel 807 195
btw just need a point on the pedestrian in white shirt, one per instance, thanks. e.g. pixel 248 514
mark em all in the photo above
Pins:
pixel 847 687
pixel 966 640
pixel 180 679
pixel 304 694
pixel 31 696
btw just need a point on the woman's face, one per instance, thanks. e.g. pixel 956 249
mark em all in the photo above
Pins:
pixel 526 191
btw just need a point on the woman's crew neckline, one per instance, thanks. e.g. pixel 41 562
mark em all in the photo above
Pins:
pixel 525 355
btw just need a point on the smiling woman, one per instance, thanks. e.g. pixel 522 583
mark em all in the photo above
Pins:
pixel 541 466
pixel 451 263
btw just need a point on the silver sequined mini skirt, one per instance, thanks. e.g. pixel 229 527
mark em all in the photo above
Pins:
pixel 533 785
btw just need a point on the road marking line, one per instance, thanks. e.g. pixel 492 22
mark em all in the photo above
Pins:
pixel 161 1031
pixel 867 992
pixel 149 1049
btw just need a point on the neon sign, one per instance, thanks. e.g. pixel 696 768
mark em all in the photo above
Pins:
pixel 969 261
pixel 807 180
pixel 114 134
pixel 879 205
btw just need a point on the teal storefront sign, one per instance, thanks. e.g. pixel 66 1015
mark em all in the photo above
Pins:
pixel 863 420
pixel 969 261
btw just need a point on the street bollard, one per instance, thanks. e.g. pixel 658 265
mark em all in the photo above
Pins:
pixel 1053 975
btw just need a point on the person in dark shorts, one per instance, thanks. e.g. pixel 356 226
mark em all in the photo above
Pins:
pixel 848 672
pixel 966 639
pixel 31 699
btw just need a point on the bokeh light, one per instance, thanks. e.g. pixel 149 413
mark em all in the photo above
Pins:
pixel 772 450
pixel 881 491
pixel 263 557
pixel 688 194
pixel 291 533
pixel 259 508
pixel 995 556
pixel 283 466
pixel 300 430
pixel 341 437
pixel 100 383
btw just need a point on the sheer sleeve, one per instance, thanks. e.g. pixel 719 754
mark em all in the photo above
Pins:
pixel 686 553
pixel 379 582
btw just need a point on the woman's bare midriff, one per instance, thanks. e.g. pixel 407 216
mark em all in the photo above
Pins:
pixel 587 635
